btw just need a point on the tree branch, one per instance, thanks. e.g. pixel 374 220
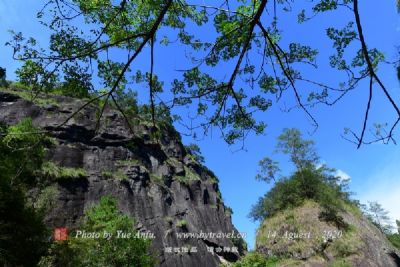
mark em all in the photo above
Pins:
pixel 287 74
pixel 151 82
pixel 368 59
pixel 366 114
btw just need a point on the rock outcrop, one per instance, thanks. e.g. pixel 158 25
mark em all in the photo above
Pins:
pixel 301 238
pixel 155 180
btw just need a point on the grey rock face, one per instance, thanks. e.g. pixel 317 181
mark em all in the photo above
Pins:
pixel 362 245
pixel 154 181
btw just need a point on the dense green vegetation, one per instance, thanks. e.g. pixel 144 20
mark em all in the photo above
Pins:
pixel 254 259
pixel 394 239
pixel 113 251
pixel 21 229
pixel 309 181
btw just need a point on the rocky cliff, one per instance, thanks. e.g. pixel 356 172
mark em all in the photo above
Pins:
pixel 299 237
pixel 154 179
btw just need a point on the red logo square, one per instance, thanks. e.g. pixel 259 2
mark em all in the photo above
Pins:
pixel 60 233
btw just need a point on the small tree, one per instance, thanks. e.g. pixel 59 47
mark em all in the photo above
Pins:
pixel 302 152
pixel 3 82
pixel 34 75
pixel 268 171
pixel 379 216
pixel 104 217
pixel 77 81
pixel 194 150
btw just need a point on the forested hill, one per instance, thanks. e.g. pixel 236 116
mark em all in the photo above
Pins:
pixel 153 177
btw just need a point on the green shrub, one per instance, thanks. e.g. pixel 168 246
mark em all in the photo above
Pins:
pixel 52 171
pixel 254 259
pixel 182 223
pixel 194 153
pixel 107 174
pixel 93 252
pixel 156 179
pixel 18 86
pixel 34 75
pixel 129 162
pixel 394 239
pixel 309 183
pixel 189 176
pixel 120 175
pixel 40 100
pixel 228 211
pixel 46 198
pixel 239 243
pixel 347 245
pixel 23 236
pixel 22 149
pixel 77 82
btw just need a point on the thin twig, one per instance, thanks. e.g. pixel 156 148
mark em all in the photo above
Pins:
pixel 366 114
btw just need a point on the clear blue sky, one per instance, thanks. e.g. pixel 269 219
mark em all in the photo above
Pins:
pixel 374 169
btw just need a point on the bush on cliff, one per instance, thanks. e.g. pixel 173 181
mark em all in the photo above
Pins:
pixel 88 246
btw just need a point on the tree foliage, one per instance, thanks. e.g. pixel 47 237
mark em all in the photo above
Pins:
pixel 254 259
pixel 302 152
pixel 268 170
pixel 22 231
pixel 77 81
pixel 379 216
pixel 309 181
pixel 103 217
pixel 246 36
pixel 395 237
pixel 35 76
pixel 194 151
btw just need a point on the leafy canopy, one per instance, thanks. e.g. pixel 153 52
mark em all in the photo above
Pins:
pixel 244 38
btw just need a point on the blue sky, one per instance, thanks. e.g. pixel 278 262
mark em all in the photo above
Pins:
pixel 374 169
